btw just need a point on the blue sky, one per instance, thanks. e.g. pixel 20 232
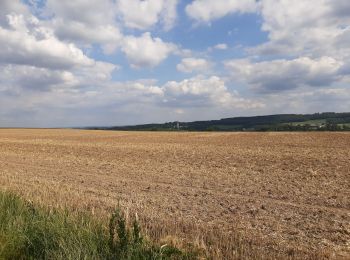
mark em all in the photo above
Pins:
pixel 117 62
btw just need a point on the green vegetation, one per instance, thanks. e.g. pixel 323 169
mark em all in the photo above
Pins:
pixel 30 232
pixel 287 122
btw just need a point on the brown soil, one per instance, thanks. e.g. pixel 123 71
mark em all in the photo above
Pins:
pixel 236 195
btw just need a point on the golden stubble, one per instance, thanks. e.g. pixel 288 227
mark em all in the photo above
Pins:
pixel 231 194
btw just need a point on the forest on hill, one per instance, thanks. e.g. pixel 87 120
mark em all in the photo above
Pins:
pixel 284 122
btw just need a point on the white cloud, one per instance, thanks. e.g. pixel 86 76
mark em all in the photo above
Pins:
pixel 145 51
pixel 304 27
pixel 169 15
pixel 95 75
pixel 308 100
pixel 221 46
pixel 209 10
pixel 278 75
pixel 100 22
pixel 87 12
pixel 204 92
pixel 108 35
pixel 11 7
pixel 86 22
pixel 48 75
pixel 32 58
pixel 17 78
pixel 143 14
pixel 189 65
pixel 311 36
pixel 26 42
pixel 140 14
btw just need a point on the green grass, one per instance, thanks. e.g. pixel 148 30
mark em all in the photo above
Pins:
pixel 31 232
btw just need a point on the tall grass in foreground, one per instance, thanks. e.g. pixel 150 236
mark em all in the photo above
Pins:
pixel 31 232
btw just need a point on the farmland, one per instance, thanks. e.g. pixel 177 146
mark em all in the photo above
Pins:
pixel 231 194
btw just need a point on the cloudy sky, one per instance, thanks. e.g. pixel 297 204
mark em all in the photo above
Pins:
pixel 118 62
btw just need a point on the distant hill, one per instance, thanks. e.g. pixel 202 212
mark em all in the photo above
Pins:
pixel 285 122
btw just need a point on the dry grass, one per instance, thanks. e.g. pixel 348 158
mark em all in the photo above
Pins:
pixel 235 195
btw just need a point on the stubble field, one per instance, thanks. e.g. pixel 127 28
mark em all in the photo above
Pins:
pixel 234 195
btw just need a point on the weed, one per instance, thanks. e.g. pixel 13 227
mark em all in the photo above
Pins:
pixel 30 232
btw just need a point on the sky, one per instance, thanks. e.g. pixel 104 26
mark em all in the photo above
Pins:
pixel 67 63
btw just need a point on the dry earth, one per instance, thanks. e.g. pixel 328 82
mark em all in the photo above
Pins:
pixel 237 195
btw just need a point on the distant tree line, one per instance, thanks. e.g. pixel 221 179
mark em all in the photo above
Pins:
pixel 306 127
pixel 286 122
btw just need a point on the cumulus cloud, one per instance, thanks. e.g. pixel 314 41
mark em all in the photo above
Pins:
pixel 10 7
pixel 278 75
pixel 310 38
pixel 85 22
pixel 308 100
pixel 33 58
pixel 169 15
pixel 208 10
pixel 200 91
pixel 189 65
pixel 312 35
pixel 143 14
pixel 304 27
pixel 195 92
pixel 99 71
pixel 82 23
pixel 22 77
pixel 87 12
pixel 101 22
pixel 49 70
pixel 26 42
pixel 145 51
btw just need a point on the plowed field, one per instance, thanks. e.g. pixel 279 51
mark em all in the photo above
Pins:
pixel 272 194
